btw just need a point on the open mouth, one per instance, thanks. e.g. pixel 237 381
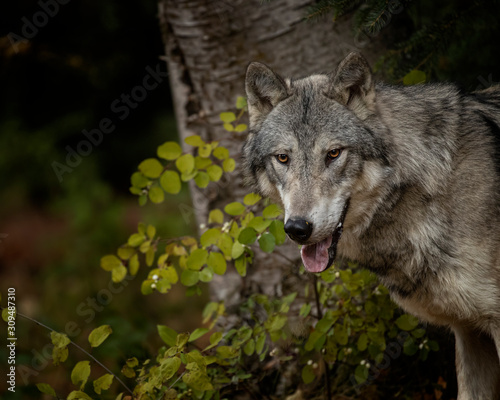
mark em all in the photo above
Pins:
pixel 320 256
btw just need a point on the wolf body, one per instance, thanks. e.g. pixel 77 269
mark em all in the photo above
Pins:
pixel 403 180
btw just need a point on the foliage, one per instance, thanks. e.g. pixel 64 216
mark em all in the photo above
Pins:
pixel 427 35
pixel 292 331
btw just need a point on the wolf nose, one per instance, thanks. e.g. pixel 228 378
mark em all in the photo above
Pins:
pixel 298 229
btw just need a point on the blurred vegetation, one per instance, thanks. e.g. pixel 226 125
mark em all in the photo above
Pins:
pixel 61 81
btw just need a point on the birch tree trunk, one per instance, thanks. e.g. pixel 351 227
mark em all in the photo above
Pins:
pixel 208 44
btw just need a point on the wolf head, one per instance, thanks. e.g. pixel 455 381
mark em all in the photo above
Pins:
pixel 307 149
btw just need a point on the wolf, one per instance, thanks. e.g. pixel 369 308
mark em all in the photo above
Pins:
pixel 404 180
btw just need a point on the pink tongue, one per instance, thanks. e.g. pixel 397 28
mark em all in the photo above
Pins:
pixel 315 256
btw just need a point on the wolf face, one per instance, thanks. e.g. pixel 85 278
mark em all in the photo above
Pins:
pixel 308 147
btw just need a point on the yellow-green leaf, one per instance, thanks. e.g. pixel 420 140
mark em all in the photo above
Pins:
pixel 197 259
pixel 240 128
pixel 46 388
pixel 168 335
pixel 272 211
pixel 119 274
pixel 217 262
pixel 133 265
pixel 110 262
pixel 210 237
pixel 156 195
pixel 59 340
pixel 78 395
pixel 80 374
pixel 227 117
pixel 103 383
pixel 202 179
pixel 205 151
pixel 170 182
pixel 151 168
pixel 241 102
pixel 138 180
pixel 185 163
pixel 99 335
pixel 194 141
pixel 214 173
pixel 229 165
pixel 197 333
pixel 169 151
pixel 414 77
pixel 221 153
pixel 234 208
pixel 216 217
pixel 251 198
pixel 189 277
pixel 136 239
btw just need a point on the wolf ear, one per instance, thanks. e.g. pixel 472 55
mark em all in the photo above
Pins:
pixel 352 85
pixel 265 90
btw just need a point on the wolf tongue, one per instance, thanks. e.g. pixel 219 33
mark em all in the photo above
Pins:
pixel 315 256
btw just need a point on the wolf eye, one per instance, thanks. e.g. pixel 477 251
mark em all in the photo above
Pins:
pixel 282 158
pixel 333 154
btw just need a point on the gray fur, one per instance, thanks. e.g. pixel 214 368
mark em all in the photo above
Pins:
pixel 420 166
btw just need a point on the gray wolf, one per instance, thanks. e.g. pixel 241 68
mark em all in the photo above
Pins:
pixel 403 180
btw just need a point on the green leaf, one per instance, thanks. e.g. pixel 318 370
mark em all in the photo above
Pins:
pixel 78 395
pixel 228 127
pixel 214 173
pixel 210 237
pixel 361 373
pixel 194 140
pixel 414 77
pixel 125 252
pixel 240 128
pixel 238 250
pixel 216 217
pixel 197 259
pixel 272 211
pixel 202 179
pixel 241 102
pixel 156 195
pixel 169 367
pixel 133 265
pixel 410 348
pixel 185 163
pixel 260 342
pixel 249 348
pixel 407 322
pixel 119 274
pixel 189 277
pixel 362 342
pixel 59 355
pixel 234 208
pixel 46 388
pixel 277 229
pixel 168 335
pixel 205 151
pixel 151 168
pixel 229 165
pixel 217 262
pixel 59 340
pixel 227 352
pixel 227 117
pixel 169 151
pixel 197 333
pixel 247 236
pixel 259 224
pixel 99 335
pixel 151 231
pixel 241 265
pixel 138 180
pixel 136 239
pixel 110 262
pixel 80 373
pixel 340 334
pixel 225 244
pixel 251 199
pixel 103 383
pixel 305 310
pixel 202 163
pixel 308 374
pixel 221 153
pixel 206 275
pixel 267 242
pixel 324 324
pixel 170 182
pixel 143 199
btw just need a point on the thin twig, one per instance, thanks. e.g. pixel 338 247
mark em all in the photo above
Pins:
pixel 320 315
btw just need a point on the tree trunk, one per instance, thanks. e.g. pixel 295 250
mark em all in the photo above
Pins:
pixel 209 43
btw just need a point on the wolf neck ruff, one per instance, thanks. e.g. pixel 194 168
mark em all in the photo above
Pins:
pixel 318 257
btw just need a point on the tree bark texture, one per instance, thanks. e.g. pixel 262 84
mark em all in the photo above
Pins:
pixel 208 44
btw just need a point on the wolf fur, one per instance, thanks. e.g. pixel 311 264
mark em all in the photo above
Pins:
pixel 419 173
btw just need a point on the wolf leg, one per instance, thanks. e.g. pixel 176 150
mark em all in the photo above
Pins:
pixel 478 365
